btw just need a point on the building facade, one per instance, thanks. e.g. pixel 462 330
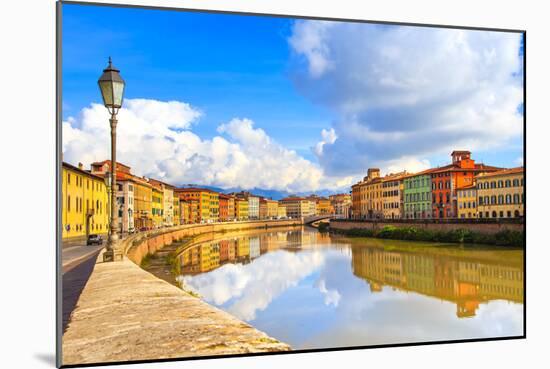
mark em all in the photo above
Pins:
pixel 296 207
pixel 84 203
pixel 417 196
pixel 445 181
pixel 157 206
pixel 224 207
pixel 268 208
pixel 143 193
pixel 241 209
pixel 501 194
pixel 205 201
pixel 392 196
pixel 467 202
pixel 341 203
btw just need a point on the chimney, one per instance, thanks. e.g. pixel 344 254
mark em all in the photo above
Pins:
pixel 80 166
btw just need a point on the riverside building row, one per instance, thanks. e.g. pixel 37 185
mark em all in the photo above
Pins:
pixel 147 203
pixel 462 189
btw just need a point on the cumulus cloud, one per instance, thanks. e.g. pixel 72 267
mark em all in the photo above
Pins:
pixel 155 139
pixel 401 93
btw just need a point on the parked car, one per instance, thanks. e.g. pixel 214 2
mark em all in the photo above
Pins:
pixel 94 239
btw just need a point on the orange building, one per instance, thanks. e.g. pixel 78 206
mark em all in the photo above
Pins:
pixel 224 207
pixel 445 181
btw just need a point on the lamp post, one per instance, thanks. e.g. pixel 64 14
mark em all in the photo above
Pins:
pixel 111 86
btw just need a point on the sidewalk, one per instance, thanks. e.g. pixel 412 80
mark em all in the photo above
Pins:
pixel 125 313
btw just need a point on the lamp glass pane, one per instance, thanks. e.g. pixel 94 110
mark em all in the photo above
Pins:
pixel 106 92
pixel 118 91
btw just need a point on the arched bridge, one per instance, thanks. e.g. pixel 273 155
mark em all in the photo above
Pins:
pixel 315 218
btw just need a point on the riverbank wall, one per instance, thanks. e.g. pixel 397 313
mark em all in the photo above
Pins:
pixel 137 246
pixel 485 227
pixel 126 314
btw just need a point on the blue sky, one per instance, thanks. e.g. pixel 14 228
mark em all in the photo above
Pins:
pixel 224 65
pixel 329 99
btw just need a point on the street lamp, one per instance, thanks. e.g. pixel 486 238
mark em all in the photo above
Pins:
pixel 111 86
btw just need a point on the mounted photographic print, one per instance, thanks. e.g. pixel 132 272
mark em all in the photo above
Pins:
pixel 235 184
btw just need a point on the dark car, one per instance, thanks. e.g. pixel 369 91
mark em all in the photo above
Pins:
pixel 94 239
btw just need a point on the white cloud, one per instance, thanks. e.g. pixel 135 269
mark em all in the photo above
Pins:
pixel 153 137
pixel 327 136
pixel 407 92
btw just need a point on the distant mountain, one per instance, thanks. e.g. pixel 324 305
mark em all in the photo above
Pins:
pixel 270 194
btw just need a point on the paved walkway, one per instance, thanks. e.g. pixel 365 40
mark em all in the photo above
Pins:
pixel 125 313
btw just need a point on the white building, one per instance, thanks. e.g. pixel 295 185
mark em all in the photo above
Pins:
pixel 125 206
pixel 253 207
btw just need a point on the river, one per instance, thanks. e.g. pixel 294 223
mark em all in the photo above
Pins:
pixel 314 290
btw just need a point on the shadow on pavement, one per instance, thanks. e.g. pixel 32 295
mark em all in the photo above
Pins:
pixel 74 281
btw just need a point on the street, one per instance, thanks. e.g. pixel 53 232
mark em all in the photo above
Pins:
pixel 77 264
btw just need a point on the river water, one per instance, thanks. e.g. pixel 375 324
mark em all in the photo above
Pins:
pixel 314 290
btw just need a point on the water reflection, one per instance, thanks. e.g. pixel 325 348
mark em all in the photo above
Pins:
pixel 333 292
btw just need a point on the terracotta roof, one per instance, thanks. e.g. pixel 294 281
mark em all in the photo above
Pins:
pixel 292 198
pixel 82 171
pixel 193 189
pixel 109 161
pixel 156 181
pixel 503 172
pixel 466 187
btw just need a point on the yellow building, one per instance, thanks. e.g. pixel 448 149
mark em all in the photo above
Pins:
pixel 157 206
pixel 241 209
pixel 322 205
pixel 501 194
pixel 143 194
pixel 176 207
pixel 392 196
pixel 281 211
pixel 268 209
pixel 297 207
pixel 84 204
pixel 207 200
pixel 466 198
pixel 214 206
pixel 375 197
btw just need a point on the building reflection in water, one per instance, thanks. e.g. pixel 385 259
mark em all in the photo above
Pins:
pixel 463 280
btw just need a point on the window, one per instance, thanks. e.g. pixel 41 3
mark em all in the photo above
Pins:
pixel 501 214
pixel 493 184
pixel 516 198
pixel 500 199
pixel 68 203
pixel 68 178
pixel 500 184
pixel 515 183
pixel 507 183
pixel 447 198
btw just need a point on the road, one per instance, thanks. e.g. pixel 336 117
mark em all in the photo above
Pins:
pixel 74 255
pixel 78 263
